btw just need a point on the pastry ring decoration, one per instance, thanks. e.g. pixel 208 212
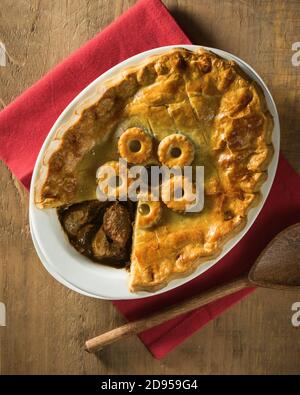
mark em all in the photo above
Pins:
pixel 135 145
pixel 112 181
pixel 150 212
pixel 176 150
pixel 178 193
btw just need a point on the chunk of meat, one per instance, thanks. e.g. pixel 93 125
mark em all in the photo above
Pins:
pixel 117 224
pixel 99 231
pixel 103 249
pixel 83 239
pixel 80 214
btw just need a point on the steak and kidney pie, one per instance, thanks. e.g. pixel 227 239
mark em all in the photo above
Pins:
pixel 179 108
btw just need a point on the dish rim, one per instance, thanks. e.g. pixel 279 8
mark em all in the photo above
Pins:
pixel 44 251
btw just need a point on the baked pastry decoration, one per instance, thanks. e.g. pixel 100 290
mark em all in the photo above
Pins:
pixel 177 108
pixel 149 213
pixel 176 150
pixel 178 193
pixel 113 179
pixel 135 145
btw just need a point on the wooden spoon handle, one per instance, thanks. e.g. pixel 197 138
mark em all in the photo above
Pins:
pixel 132 328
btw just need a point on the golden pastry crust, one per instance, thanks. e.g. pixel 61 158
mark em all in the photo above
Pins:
pixel 194 94
pixel 176 150
pixel 186 245
pixel 135 145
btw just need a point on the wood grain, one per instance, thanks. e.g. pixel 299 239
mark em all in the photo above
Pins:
pixel 47 323
pixel 174 310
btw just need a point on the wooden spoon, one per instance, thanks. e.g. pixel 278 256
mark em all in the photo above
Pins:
pixel 278 266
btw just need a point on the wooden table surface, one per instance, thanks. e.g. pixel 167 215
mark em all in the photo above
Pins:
pixel 47 323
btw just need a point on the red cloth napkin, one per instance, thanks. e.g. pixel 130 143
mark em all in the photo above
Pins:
pixel 25 123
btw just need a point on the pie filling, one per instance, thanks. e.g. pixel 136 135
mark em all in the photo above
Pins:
pixel 100 231
pixel 180 108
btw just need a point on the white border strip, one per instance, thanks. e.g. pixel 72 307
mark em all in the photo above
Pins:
pixel 2 314
pixel 2 55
